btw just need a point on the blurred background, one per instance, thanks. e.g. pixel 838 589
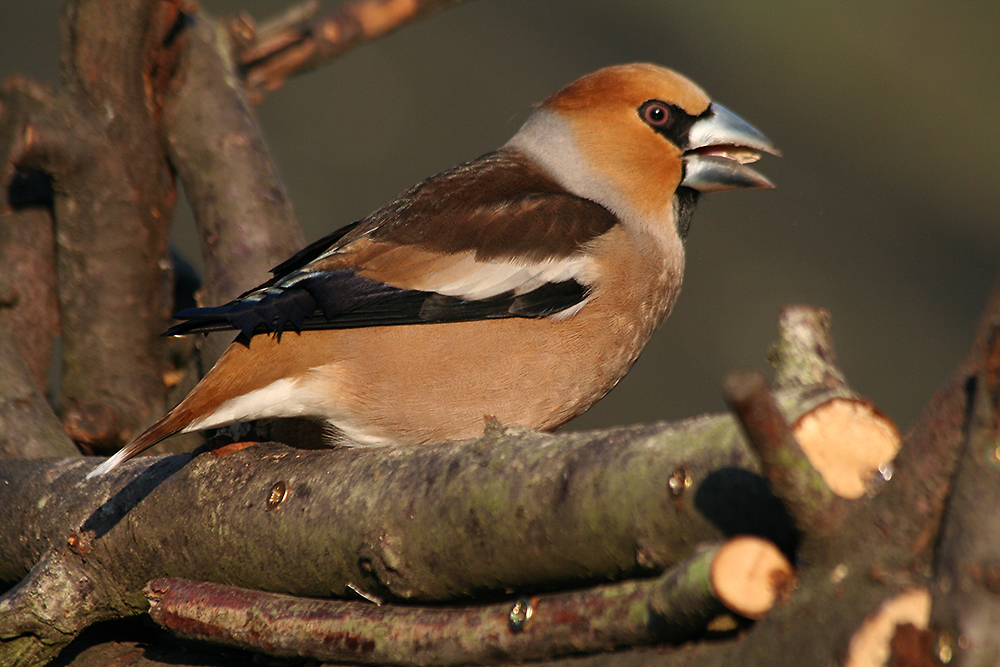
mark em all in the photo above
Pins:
pixel 887 211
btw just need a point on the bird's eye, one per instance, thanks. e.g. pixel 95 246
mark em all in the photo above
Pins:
pixel 657 114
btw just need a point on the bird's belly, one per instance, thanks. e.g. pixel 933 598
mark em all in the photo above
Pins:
pixel 532 373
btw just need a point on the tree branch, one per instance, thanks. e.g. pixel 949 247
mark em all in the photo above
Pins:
pixel 244 217
pixel 28 427
pixel 792 477
pixel 673 607
pixel 114 198
pixel 29 303
pixel 298 43
pixel 967 562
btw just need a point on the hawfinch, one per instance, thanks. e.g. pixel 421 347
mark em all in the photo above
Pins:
pixel 521 285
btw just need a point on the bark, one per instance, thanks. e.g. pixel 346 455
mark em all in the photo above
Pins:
pixel 967 560
pixel 28 427
pixel 298 42
pixel 113 200
pixel 375 520
pixel 29 302
pixel 674 606
pixel 244 218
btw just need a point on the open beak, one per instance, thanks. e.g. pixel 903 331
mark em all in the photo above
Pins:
pixel 720 146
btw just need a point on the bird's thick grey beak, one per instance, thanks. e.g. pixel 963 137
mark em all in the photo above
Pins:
pixel 720 146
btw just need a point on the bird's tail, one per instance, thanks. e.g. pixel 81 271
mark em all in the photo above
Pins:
pixel 171 423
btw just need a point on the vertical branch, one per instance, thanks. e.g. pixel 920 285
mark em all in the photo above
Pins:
pixel 925 468
pixel 968 555
pixel 244 217
pixel 29 305
pixel 114 200
pixel 28 427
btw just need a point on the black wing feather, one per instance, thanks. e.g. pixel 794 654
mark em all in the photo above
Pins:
pixel 342 299
pixel 312 251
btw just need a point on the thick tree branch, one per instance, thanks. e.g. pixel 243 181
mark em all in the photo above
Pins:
pixel 580 508
pixel 374 520
pixel 923 473
pixel 29 303
pixel 244 217
pixel 28 427
pixel 967 562
pixel 114 198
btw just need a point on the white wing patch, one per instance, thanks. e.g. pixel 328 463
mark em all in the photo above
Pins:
pixel 470 279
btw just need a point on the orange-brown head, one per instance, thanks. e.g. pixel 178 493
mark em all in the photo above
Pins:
pixel 630 136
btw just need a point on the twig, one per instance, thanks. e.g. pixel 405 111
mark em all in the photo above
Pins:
pixel 299 43
pixel 672 607
pixel 804 354
pixel 793 479
pixel 843 435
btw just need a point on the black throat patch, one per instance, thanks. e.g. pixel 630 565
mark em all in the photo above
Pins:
pixel 684 202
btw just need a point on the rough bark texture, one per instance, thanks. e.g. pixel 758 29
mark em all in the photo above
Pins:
pixel 113 200
pixel 28 427
pixel 967 559
pixel 674 606
pixel 240 206
pixel 376 520
pixel 29 301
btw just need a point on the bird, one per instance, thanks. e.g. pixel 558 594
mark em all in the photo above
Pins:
pixel 520 286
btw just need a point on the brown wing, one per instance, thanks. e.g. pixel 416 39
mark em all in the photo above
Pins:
pixel 495 237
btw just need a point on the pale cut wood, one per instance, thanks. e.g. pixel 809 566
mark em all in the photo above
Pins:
pixel 847 441
pixel 869 646
pixel 750 574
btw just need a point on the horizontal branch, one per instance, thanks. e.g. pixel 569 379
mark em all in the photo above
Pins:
pixel 672 607
pixel 573 507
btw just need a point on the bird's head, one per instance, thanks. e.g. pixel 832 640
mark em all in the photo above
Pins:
pixel 632 137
